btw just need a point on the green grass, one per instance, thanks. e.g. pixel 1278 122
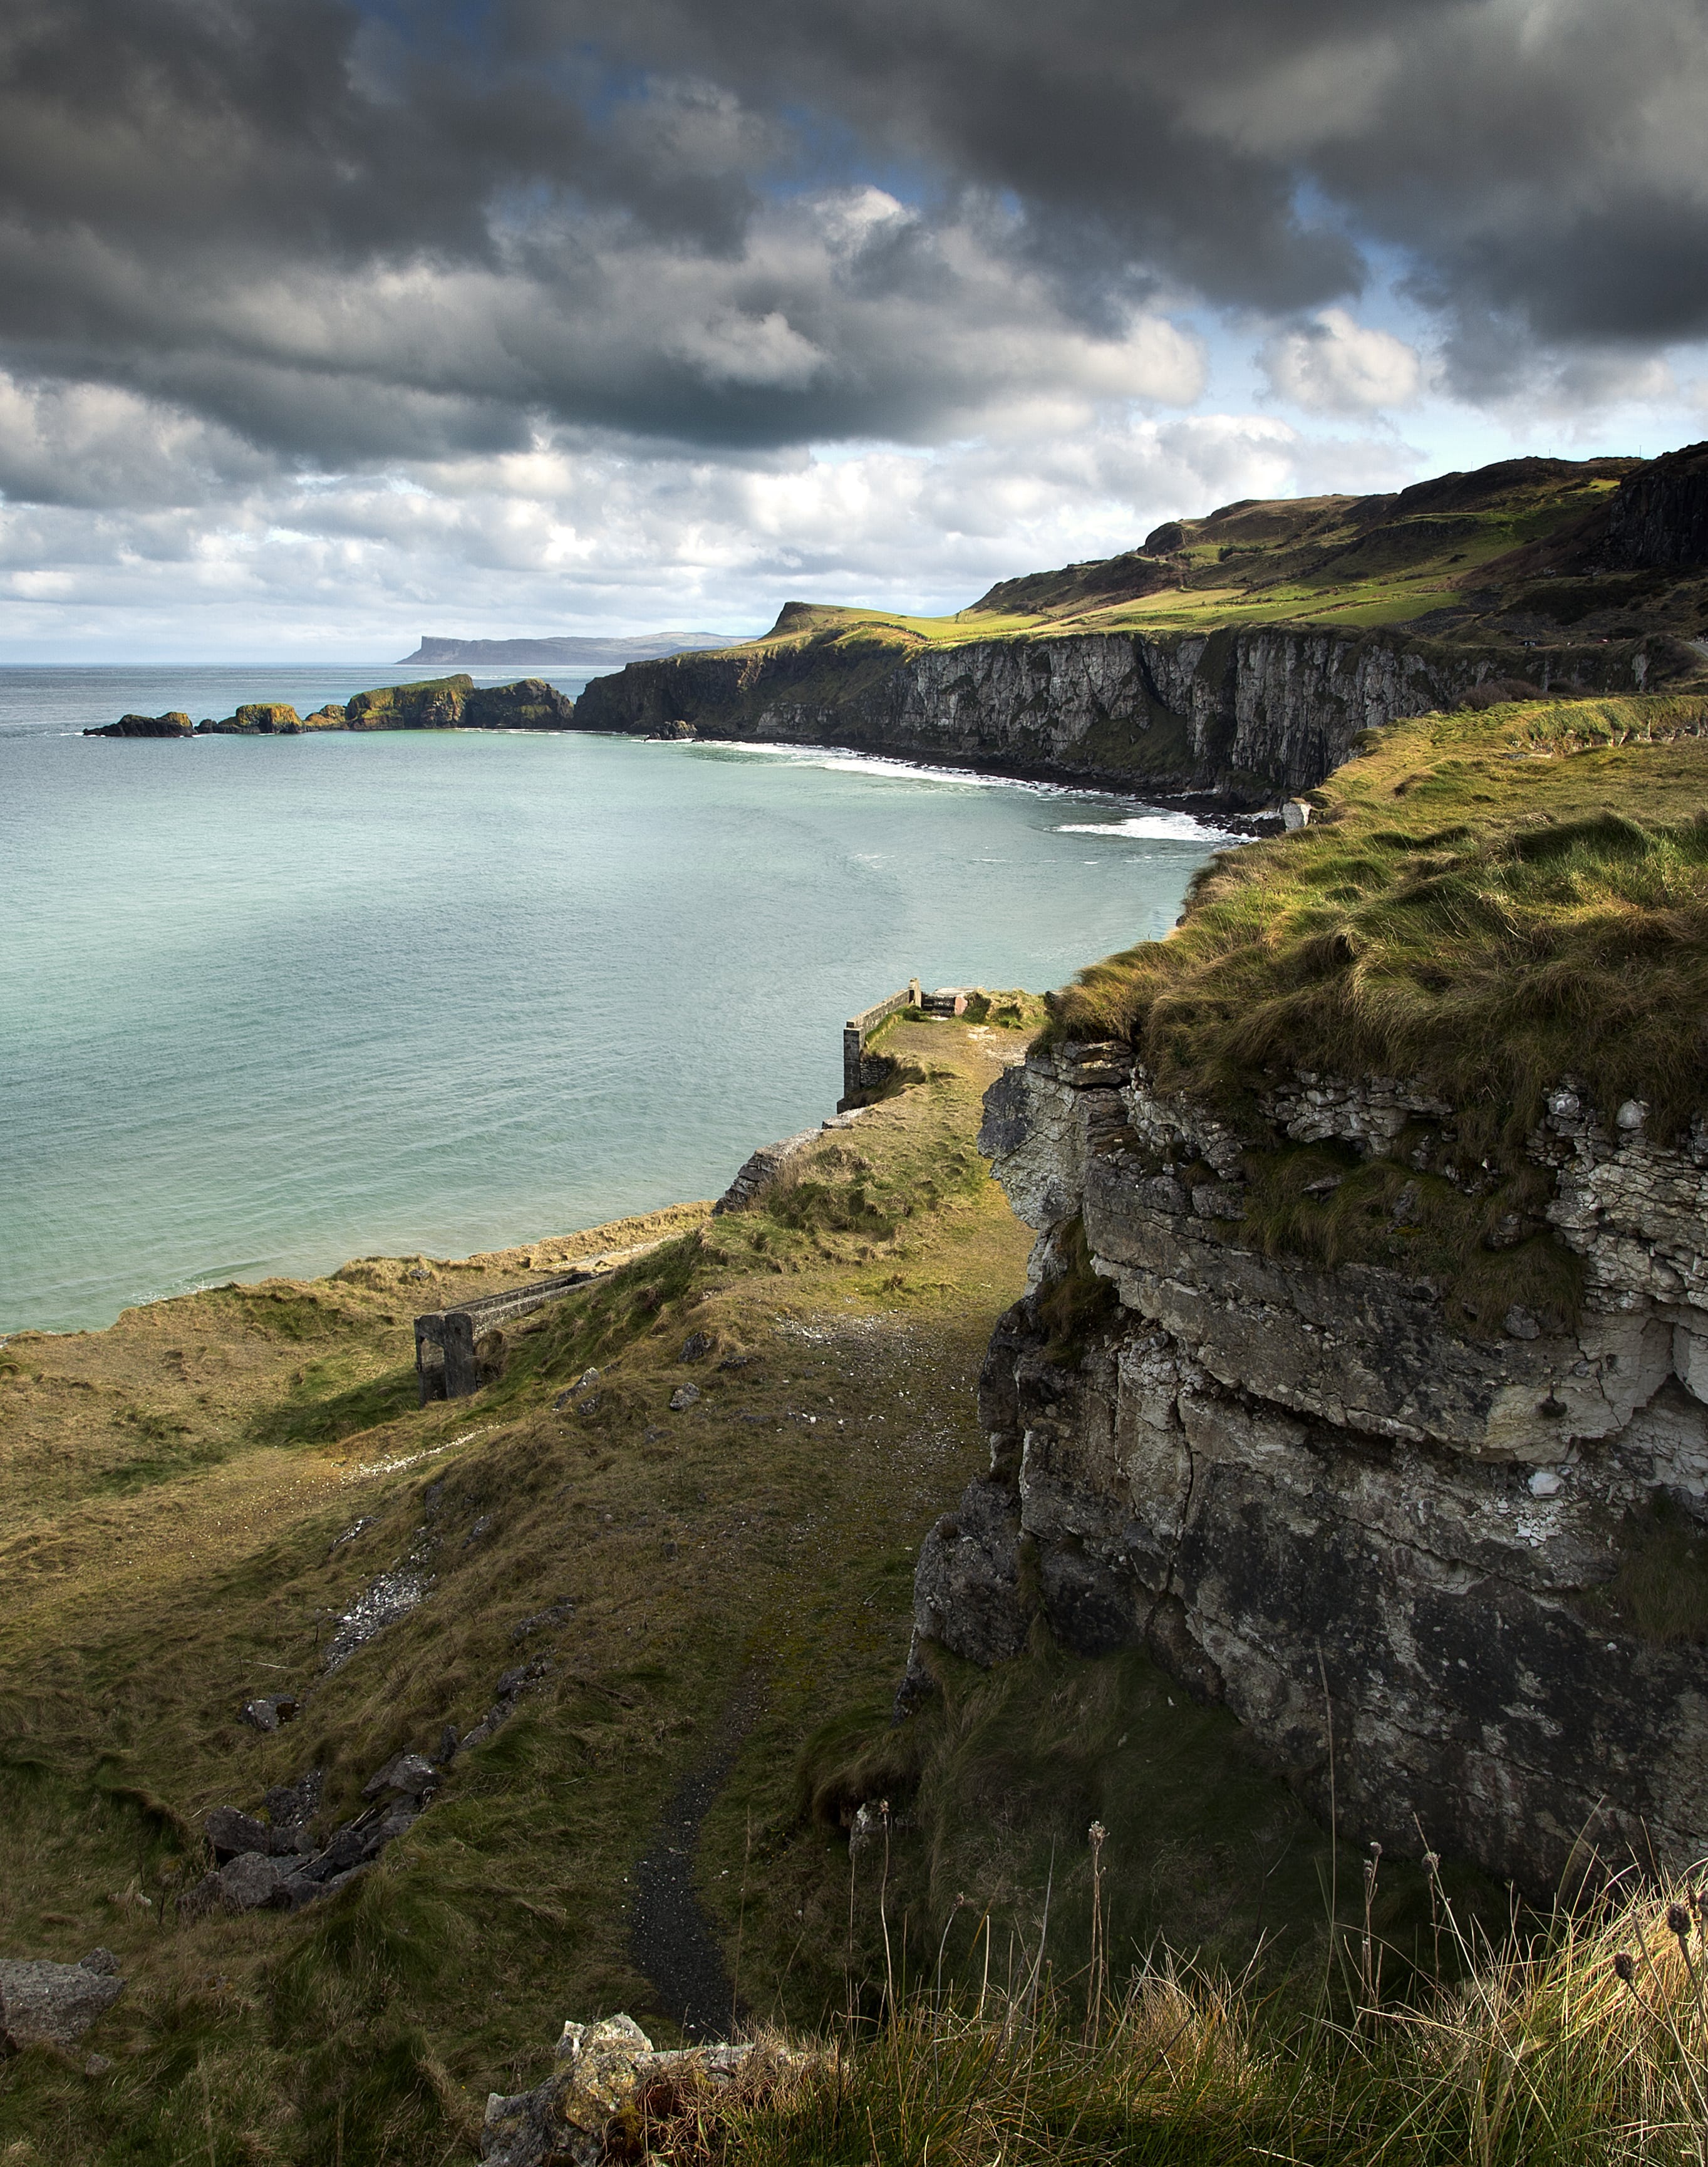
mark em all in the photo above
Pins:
pixel 1485 902
pixel 1492 554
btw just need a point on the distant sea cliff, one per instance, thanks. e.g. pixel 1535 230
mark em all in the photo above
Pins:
pixel 569 654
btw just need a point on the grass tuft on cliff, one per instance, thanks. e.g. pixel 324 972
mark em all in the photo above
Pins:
pixel 1485 901
pixel 1578 2046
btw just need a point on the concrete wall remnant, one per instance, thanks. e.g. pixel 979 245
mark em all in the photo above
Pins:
pixel 453 1349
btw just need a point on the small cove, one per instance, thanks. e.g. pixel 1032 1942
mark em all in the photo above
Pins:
pixel 267 1004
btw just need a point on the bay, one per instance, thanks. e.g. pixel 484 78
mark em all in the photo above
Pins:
pixel 267 1004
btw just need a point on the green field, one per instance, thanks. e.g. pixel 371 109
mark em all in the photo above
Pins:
pixel 1505 554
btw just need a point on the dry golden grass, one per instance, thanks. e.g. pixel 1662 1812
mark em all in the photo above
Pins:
pixel 164 1566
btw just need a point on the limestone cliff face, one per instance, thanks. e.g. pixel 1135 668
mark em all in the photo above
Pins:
pixel 1243 714
pixel 1312 1493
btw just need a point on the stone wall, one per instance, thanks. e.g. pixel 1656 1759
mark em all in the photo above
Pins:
pixel 1316 1494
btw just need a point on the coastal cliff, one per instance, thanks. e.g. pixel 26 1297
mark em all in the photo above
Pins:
pixel 1399 1552
pixel 1242 715
pixel 1239 655
pixel 1369 1399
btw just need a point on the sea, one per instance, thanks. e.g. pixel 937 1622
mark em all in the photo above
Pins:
pixel 268 1004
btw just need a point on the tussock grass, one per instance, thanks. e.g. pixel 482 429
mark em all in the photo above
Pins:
pixel 1485 903
pixel 1581 2039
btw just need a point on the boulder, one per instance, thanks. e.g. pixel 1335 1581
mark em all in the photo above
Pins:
pixel 407 1773
pixel 54 2004
pixel 251 1882
pixel 609 2075
pixel 230 1833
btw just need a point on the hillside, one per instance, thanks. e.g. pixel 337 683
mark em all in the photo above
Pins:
pixel 1236 656
pixel 198 1501
pixel 675 1556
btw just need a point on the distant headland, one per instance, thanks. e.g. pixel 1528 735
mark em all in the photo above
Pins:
pixel 569 654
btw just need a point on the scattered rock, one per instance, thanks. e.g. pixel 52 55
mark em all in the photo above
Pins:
pixel 407 1773
pixel 230 1832
pixel 697 1346
pixel 1545 1483
pixel 291 1807
pixel 572 2119
pixel 685 1395
pixel 483 1526
pixel 53 2004
pixel 270 1710
pixel 392 1595
pixel 102 1962
pixel 1407 1207
pixel 448 1744
pixel 588 1379
pixel 1520 1324
pixel 555 1614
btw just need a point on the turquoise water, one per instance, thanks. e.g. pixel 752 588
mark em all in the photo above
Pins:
pixel 267 1003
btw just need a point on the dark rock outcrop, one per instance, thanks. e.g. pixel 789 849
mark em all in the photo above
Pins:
pixel 1658 515
pixel 447 703
pixel 172 724
pixel 1319 1495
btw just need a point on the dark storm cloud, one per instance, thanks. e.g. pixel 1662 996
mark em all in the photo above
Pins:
pixel 349 237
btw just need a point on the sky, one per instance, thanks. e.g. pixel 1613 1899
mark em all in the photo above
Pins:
pixel 323 325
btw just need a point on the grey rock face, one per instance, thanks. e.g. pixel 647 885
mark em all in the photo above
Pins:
pixel 1266 1471
pixel 1249 714
pixel 55 2004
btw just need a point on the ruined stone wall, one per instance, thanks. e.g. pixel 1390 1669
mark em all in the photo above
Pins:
pixel 1316 1493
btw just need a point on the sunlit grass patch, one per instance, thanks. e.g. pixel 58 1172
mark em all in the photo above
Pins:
pixel 1485 904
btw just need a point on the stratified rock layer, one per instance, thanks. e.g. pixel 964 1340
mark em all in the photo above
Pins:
pixel 1318 1494
pixel 1243 714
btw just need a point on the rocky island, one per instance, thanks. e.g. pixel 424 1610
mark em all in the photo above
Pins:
pixel 438 703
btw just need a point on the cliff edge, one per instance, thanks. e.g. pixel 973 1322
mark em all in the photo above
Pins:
pixel 1238 656
pixel 1362 1374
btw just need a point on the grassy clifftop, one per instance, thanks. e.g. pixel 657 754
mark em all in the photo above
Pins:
pixel 1486 900
pixel 1283 625
pixel 1527 550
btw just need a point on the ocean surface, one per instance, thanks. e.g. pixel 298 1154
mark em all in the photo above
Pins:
pixel 267 1003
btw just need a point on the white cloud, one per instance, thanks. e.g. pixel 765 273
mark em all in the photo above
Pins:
pixel 578 533
pixel 1335 365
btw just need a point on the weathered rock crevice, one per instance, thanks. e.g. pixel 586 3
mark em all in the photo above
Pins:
pixel 1331 1498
